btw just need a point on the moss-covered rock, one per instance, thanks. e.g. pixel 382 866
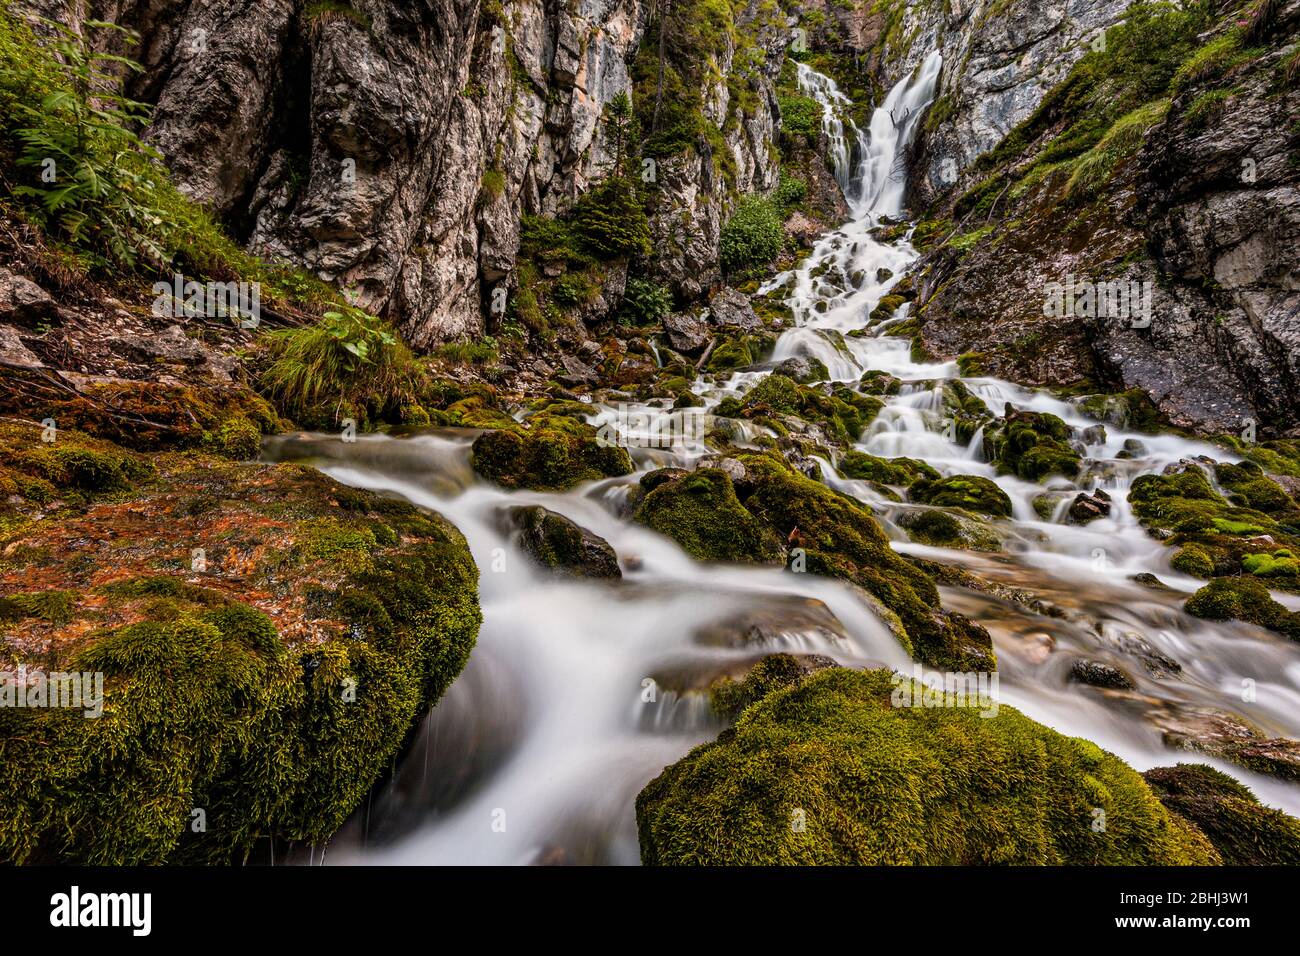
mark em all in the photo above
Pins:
pixel 838 414
pixel 949 529
pixel 1031 445
pixel 548 453
pixel 876 382
pixel 886 471
pixel 969 492
pixel 700 511
pixel 1216 536
pixel 839 537
pixel 1132 410
pixel 1244 831
pixel 828 772
pixel 560 545
pixel 268 639
pixel 1243 599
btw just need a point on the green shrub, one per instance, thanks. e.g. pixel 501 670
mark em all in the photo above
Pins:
pixel 645 301
pixel 801 117
pixel 752 236
pixel 97 186
pixel 790 193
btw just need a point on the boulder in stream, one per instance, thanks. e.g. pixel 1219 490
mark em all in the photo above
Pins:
pixel 560 545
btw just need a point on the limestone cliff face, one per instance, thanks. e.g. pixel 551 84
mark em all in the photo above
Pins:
pixel 393 147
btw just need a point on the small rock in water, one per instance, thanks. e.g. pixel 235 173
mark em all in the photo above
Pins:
pixel 1097 674
pixel 559 544
pixel 1087 508
pixel 1149 580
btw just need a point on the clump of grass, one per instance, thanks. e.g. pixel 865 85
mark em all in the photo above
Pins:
pixel 1206 107
pixel 1094 169
pixel 321 12
pixel 348 365
pixel 483 351
pixel 1211 60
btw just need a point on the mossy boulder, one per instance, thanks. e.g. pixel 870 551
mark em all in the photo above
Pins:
pixel 886 471
pixel 1215 536
pixel 560 545
pixel 949 529
pixel 548 453
pixel 1243 599
pixel 839 537
pixel 839 414
pixel 1243 831
pixel 828 772
pixel 969 492
pixel 268 639
pixel 1132 410
pixel 700 511
pixel 876 382
pixel 1031 445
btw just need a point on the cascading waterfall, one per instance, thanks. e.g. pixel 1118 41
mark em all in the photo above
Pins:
pixel 580 693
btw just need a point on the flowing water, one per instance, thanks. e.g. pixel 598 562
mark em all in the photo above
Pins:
pixel 579 693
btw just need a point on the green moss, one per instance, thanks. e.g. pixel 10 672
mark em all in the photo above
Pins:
pixel 840 538
pixel 1243 599
pixel 700 511
pixel 1193 560
pixel 944 529
pixel 1032 445
pixel 776 392
pixel 549 453
pixel 887 471
pixel 53 607
pixel 971 492
pixel 827 772
pixel 1243 831
pixel 209 705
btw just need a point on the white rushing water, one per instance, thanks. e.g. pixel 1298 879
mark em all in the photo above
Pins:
pixel 579 693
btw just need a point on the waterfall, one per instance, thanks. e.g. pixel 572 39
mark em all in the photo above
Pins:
pixel 877 183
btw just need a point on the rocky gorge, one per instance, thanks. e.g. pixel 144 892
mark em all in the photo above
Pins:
pixel 733 367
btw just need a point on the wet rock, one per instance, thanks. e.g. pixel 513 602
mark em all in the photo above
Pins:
pixel 1221 734
pixel 1087 507
pixel 1149 580
pixel 559 544
pixel 22 301
pixel 946 529
pixel 731 310
pixel 803 369
pixel 1099 674
pixel 577 373
pixel 687 332
pixel 1133 644
pixel 1132 448
pixel 781 621
pixel 734 468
